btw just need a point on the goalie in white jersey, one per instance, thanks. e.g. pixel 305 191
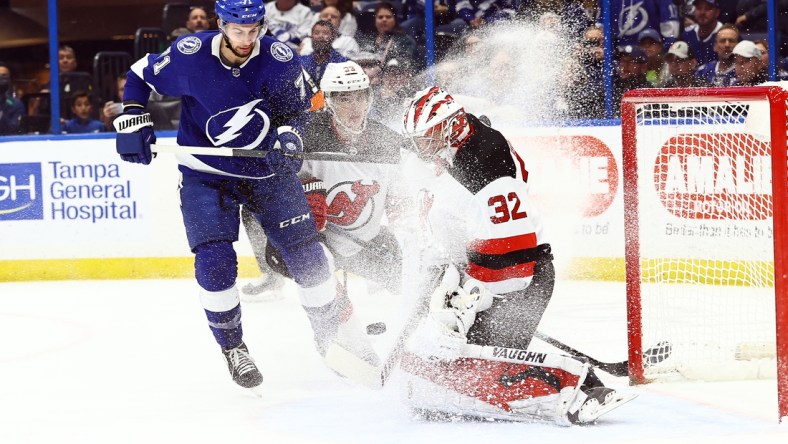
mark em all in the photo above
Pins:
pixel 467 356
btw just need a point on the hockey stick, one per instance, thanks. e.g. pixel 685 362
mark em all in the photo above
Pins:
pixel 235 152
pixel 352 367
pixel 653 355
pixel 357 240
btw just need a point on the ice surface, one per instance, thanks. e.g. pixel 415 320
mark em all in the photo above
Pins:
pixel 134 361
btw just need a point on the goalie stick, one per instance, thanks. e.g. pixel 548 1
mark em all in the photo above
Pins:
pixel 235 152
pixel 355 368
pixel 653 355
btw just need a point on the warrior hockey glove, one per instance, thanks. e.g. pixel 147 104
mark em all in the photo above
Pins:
pixel 135 135
pixel 316 194
pixel 290 146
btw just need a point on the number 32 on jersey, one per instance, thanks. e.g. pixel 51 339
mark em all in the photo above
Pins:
pixel 506 208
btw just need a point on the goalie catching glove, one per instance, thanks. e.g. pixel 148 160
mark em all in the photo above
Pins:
pixel 315 192
pixel 442 333
pixel 135 134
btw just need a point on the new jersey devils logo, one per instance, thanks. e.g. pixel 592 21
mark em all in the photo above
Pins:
pixel 352 204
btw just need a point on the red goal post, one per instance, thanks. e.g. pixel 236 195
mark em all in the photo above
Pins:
pixel 706 248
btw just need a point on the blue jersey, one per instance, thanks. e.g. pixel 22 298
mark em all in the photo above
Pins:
pixel 703 49
pixel 710 73
pixel 225 106
pixel 77 126
pixel 629 17
pixel 316 70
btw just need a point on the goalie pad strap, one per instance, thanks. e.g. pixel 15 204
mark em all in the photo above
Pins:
pixel 540 253
pixel 131 123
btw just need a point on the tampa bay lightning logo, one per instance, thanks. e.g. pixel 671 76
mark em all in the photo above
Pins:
pixel 189 45
pixel 281 52
pixel 242 127
pixel 633 19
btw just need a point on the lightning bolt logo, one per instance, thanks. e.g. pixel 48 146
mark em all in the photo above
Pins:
pixel 234 126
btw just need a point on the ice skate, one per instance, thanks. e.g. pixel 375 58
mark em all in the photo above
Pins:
pixel 264 289
pixel 339 338
pixel 242 367
pixel 598 401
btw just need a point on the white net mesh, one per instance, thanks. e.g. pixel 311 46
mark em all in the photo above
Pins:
pixel 706 239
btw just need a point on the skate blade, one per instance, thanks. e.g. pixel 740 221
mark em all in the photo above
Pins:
pixel 353 367
pixel 257 391
pixel 265 296
pixel 617 401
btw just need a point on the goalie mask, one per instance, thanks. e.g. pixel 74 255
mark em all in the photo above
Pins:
pixel 347 93
pixel 436 124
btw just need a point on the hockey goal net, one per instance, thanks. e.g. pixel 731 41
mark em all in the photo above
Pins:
pixel 706 239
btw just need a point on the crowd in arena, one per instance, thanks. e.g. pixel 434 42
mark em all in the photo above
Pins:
pixel 658 43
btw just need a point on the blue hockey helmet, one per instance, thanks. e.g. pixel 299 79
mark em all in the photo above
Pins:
pixel 242 12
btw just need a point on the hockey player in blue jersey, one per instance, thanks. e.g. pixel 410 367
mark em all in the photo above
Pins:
pixel 239 89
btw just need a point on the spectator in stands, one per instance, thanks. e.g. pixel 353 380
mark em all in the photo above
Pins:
pixel 632 63
pixel 681 65
pixel 629 17
pixel 701 36
pixel 721 72
pixel 650 41
pixel 347 21
pixel 289 21
pixel 71 80
pixel 395 90
pixel 763 45
pixel 196 21
pixel 591 55
pixel 114 107
pixel 476 13
pixel 11 108
pixel 389 41
pixel 414 23
pixel 315 62
pixel 343 44
pixel 372 68
pixel 574 18
pixel 82 122
pixel 752 16
pixel 750 69
pixel 66 59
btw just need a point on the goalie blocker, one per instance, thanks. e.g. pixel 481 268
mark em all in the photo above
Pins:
pixel 446 374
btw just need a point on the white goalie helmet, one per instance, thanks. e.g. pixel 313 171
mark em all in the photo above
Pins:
pixel 436 124
pixel 339 82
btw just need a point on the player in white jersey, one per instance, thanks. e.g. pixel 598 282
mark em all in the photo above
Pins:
pixel 355 193
pixel 468 355
pixel 241 90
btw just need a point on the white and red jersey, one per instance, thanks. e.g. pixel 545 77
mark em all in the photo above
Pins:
pixel 359 193
pixel 481 215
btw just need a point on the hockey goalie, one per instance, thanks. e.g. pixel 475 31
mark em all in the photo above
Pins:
pixel 491 278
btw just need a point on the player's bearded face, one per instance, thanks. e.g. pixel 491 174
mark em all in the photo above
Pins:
pixel 242 38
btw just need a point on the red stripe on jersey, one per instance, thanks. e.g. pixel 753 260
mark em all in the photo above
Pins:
pixel 522 165
pixel 504 245
pixel 489 275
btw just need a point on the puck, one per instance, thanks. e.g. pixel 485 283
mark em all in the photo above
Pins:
pixel 377 328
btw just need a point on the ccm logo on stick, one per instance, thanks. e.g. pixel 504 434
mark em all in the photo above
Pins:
pixel 294 220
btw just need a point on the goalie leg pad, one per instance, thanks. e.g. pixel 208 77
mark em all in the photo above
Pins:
pixel 491 388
